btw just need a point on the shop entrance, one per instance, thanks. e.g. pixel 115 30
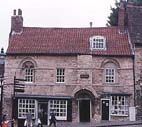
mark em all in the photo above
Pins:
pixel 43 112
pixel 84 110
pixel 105 109
pixel 85 99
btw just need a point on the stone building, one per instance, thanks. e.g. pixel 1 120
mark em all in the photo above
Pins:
pixel 134 12
pixel 84 74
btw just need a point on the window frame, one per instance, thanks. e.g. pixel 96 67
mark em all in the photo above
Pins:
pixel 29 76
pixel 59 107
pixel 98 43
pixel 26 106
pixel 28 71
pixel 60 75
pixel 119 105
pixel 111 76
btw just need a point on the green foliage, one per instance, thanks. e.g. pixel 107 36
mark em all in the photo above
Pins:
pixel 113 18
pixel 136 2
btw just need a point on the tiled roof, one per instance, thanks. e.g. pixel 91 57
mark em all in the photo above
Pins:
pixel 67 41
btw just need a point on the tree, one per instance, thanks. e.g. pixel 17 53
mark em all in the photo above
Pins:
pixel 113 18
pixel 136 2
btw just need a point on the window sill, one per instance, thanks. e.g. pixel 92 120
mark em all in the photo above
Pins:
pixel 60 82
pixel 119 115
pixel 111 84
pixel 29 82
pixel 61 118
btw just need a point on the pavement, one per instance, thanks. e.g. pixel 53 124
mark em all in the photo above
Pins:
pixel 102 124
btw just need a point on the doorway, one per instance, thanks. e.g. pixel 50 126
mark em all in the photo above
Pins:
pixel 43 112
pixel 84 110
pixel 105 109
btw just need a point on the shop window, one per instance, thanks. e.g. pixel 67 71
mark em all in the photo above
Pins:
pixel 26 106
pixel 59 107
pixel 119 105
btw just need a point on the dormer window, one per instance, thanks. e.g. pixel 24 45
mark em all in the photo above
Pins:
pixel 98 42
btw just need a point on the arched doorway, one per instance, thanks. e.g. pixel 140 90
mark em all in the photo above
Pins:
pixel 85 100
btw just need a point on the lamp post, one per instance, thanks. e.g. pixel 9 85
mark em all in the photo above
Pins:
pixel 2 57
pixel 1 103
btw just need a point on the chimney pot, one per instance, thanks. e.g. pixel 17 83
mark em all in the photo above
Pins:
pixel 14 12
pixel 19 12
pixel 2 50
pixel 91 24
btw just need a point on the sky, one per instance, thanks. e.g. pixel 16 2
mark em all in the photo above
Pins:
pixel 54 13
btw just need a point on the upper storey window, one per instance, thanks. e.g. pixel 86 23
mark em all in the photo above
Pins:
pixel 98 42
pixel 110 71
pixel 60 75
pixel 28 71
pixel 110 75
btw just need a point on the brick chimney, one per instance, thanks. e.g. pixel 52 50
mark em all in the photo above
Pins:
pixel 17 22
pixel 121 17
pixel 135 23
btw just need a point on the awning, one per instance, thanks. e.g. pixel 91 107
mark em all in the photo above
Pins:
pixel 114 93
pixel 42 96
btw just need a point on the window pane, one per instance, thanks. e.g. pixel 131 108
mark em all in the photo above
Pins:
pixel 60 108
pixel 119 105
pixel 29 74
pixel 60 75
pixel 26 106
pixel 110 75
pixel 98 42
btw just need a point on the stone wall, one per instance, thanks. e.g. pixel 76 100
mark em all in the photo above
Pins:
pixel 45 77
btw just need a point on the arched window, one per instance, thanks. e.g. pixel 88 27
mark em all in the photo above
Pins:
pixel 28 68
pixel 110 72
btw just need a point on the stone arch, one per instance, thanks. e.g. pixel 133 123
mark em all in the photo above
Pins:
pixel 85 98
pixel 27 59
pixel 110 60
pixel 84 93
pixel 89 91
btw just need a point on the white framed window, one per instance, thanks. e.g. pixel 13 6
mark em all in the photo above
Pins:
pixel 109 75
pixel 29 74
pixel 26 106
pixel 119 105
pixel 60 75
pixel 59 107
pixel 98 42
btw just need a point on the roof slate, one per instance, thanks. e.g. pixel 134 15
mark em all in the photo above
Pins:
pixel 67 41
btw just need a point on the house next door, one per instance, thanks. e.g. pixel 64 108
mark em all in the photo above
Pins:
pixel 84 110
pixel 105 109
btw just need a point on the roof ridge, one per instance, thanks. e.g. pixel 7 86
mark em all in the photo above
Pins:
pixel 107 27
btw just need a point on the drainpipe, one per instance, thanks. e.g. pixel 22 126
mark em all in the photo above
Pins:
pixel 133 58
